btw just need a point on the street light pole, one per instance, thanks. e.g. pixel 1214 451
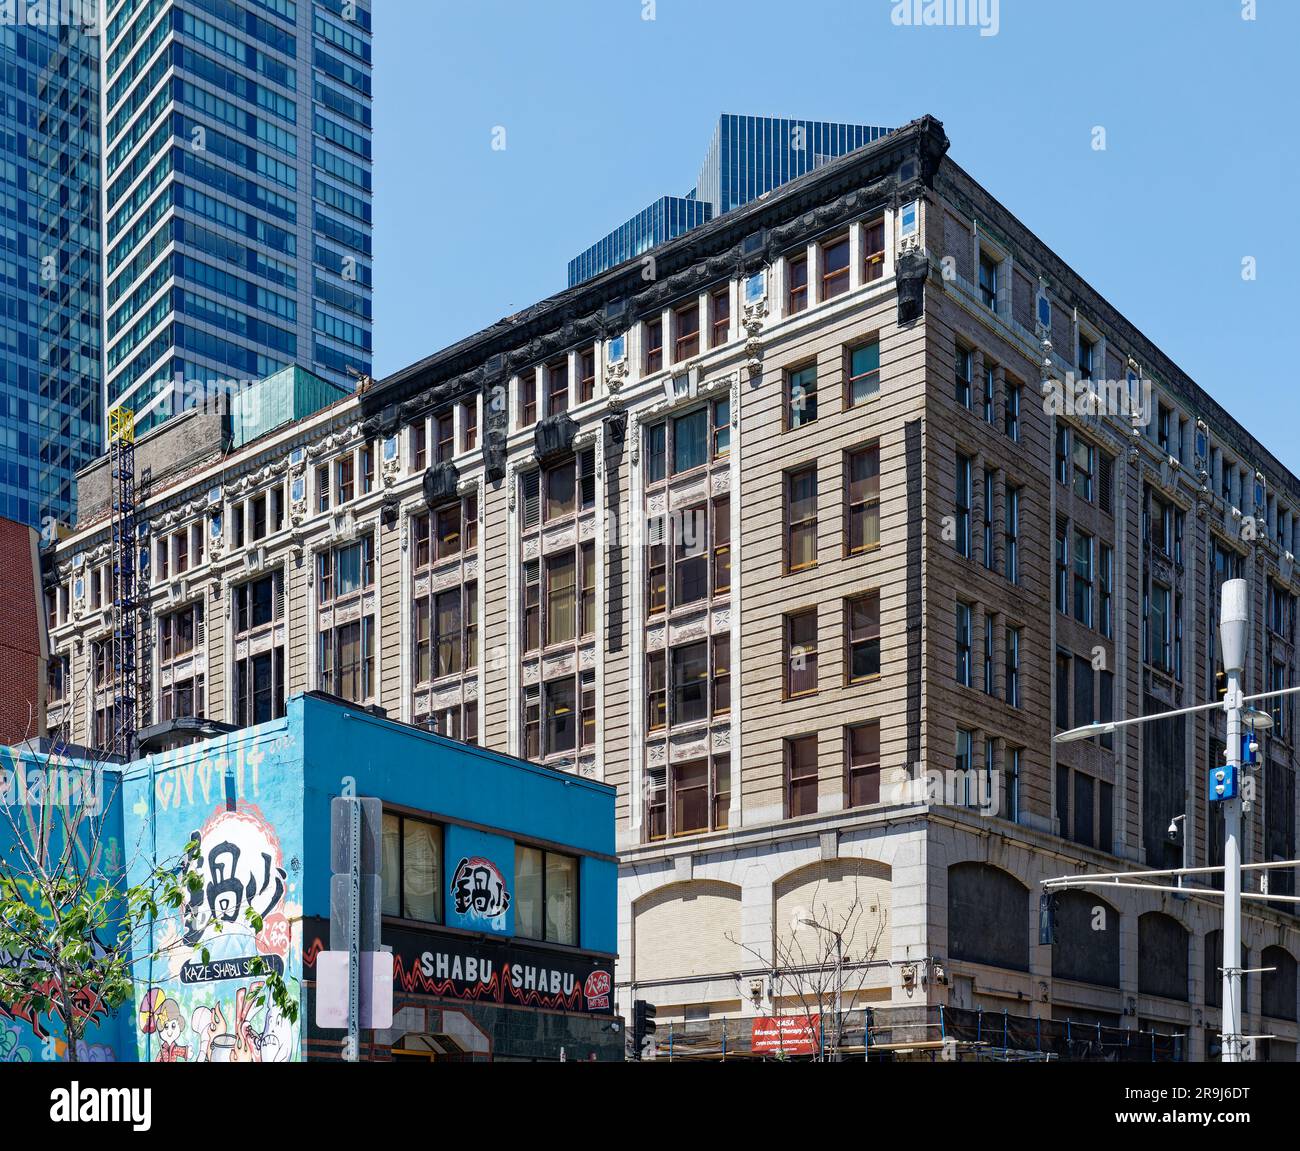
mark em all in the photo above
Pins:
pixel 839 979
pixel 1233 617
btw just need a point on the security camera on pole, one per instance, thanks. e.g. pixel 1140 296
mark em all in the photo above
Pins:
pixel 1225 788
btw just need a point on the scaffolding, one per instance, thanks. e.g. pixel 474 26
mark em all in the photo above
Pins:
pixel 927 1033
pixel 127 568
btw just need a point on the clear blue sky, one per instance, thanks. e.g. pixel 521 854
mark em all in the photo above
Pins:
pixel 605 111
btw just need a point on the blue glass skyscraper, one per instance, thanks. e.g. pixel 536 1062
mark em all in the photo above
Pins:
pixel 237 196
pixel 50 381
pixel 748 155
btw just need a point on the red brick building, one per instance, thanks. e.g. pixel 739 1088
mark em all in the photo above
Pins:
pixel 24 641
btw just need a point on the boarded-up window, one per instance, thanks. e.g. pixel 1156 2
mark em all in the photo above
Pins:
pixel 686 930
pixel 1086 944
pixel 988 916
pixel 1162 956
pixel 1279 988
pixel 849 896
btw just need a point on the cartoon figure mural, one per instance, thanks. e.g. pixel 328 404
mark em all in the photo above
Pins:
pixel 214 957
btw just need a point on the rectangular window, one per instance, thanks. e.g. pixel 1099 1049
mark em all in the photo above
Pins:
pixel 448 635
pixel 656 692
pixel 1160 628
pixel 1011 783
pixel 965 373
pixel 964 495
pixel 989 281
pixel 1105 607
pixel 835 267
pixel 721 428
pixel 690 441
pixel 801 653
pixel 686 326
pixel 1106 705
pixel 990 379
pixel 654 346
pixel 560 727
pixel 963 624
pixel 690 683
pixel 587 612
pixel 560 484
pixel 1083 788
pixel 690 555
pixel 527 397
pixel 419 447
pixel 1012 535
pixel 1062 454
pixel 656 453
pixel 1013 666
pixel 690 796
pixel 720 316
pixel 346 660
pixel 863 372
pixel 990 687
pixel 796 271
pixel 1086 349
pixel 469 423
pixel 873 247
pixel 801 397
pixel 1062 565
pixel 444 426
pixel 345 486
pixel 721 674
pixel 1084 461
pixel 801 775
pixel 990 557
pixel 532 605
pixel 257 603
pixel 1011 412
pixel 862 630
pixel 656 565
pixel 1083 577
pixel 587 714
pixel 863 503
pixel 557 387
pixel 586 375
pixel 412 868
pixel 721 545
pixel 862 759
pixel 561 598
pixel 801 519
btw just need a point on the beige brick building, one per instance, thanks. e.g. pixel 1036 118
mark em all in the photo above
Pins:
pixel 802 533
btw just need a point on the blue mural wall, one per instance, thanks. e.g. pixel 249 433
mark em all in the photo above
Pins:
pixel 258 801
pixel 411 768
pixel 197 985
pixel 67 796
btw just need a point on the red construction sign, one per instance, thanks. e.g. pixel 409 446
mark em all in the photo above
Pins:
pixel 786 1034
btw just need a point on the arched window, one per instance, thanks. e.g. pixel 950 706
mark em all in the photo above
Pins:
pixel 988 916
pixel 1086 942
pixel 1162 956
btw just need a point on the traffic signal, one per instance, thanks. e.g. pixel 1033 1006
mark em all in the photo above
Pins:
pixel 643 1026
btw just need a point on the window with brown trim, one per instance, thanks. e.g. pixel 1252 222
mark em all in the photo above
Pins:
pixel 801 519
pixel 686 326
pixel 873 249
pixel 863 372
pixel 862 764
pixel 721 674
pixel 801 775
pixel 527 398
pixel 654 346
pixel 469 422
pixel 720 316
pixel 586 375
pixel 557 387
pixel 835 267
pixel 863 502
pixel 419 448
pixel 801 653
pixel 445 429
pixel 796 270
pixel 862 637
pixel 721 544
pixel 801 396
